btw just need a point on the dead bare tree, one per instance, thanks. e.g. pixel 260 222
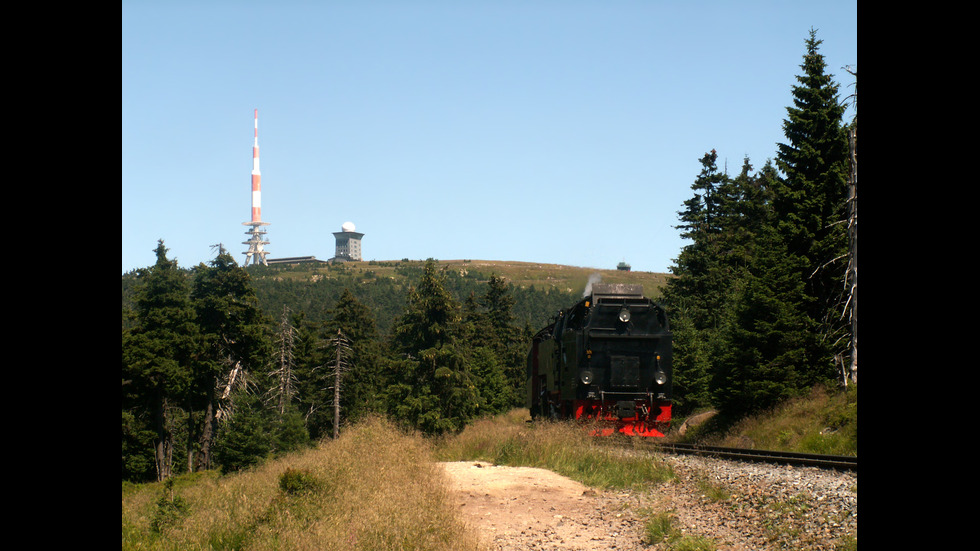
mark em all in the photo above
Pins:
pixel 852 201
pixel 284 376
pixel 221 411
pixel 236 380
pixel 853 265
pixel 340 365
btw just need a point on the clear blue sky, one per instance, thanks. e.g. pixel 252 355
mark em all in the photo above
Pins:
pixel 564 132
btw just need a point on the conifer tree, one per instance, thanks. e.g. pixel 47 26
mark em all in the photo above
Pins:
pixel 433 387
pixel 759 355
pixel 810 202
pixel 363 381
pixel 716 274
pixel 236 341
pixel 778 334
pixel 432 316
pixel 159 354
pixel 696 295
pixel 496 349
pixel 509 346
pixel 244 438
pixel 310 357
pixel 700 282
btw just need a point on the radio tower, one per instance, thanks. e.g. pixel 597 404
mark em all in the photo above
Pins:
pixel 256 244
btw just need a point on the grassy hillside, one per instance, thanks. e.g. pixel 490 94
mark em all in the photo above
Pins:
pixel 540 289
pixel 825 421
pixel 522 274
pixel 377 487
pixel 374 488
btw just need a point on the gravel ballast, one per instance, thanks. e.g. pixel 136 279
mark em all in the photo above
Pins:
pixel 766 507
pixel 736 506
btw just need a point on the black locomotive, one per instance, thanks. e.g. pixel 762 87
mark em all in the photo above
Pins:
pixel 607 359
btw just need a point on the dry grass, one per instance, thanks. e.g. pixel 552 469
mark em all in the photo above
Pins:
pixel 373 488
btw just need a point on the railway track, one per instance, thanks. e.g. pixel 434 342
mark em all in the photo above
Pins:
pixel 842 462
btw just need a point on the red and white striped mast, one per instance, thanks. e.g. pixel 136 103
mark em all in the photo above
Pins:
pixel 256 244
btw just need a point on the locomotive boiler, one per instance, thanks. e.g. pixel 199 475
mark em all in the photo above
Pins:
pixel 606 359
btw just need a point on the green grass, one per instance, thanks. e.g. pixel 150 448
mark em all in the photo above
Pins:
pixel 824 421
pixel 712 491
pixel 660 529
pixel 565 448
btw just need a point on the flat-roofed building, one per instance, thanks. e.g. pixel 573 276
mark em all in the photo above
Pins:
pixel 348 244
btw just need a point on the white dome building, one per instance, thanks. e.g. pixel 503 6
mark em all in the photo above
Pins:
pixel 348 244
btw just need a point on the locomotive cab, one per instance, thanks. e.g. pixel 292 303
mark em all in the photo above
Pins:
pixel 607 358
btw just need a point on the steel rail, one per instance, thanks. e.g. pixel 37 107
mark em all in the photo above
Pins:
pixel 844 462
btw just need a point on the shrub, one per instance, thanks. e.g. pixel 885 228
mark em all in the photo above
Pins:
pixel 660 529
pixel 297 481
pixel 170 508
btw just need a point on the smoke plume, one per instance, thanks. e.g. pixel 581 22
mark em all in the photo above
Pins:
pixel 594 278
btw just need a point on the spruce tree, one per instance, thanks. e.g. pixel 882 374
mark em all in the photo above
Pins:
pixel 158 356
pixel 509 344
pixel 363 381
pixel 236 341
pixel 434 389
pixel 760 352
pixel 309 349
pixel 696 296
pixel 810 203
pixel 701 281
pixel 245 438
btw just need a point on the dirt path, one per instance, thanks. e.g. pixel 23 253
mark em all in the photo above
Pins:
pixel 518 508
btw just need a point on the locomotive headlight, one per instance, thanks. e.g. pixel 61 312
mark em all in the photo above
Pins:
pixel 586 377
pixel 660 377
pixel 624 315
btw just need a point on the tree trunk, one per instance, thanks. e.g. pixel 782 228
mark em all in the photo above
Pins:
pixel 164 443
pixel 207 438
pixel 336 391
pixel 852 200
pixel 190 440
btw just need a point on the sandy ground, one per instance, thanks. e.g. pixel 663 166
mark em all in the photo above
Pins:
pixel 517 508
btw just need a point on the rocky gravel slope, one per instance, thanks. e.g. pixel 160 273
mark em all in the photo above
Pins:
pixel 737 506
pixel 763 506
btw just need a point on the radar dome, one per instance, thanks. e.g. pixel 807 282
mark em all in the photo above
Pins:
pixel 347 227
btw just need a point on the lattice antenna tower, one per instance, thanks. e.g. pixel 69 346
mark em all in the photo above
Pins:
pixel 256 244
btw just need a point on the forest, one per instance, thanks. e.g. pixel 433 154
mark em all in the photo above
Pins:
pixel 223 366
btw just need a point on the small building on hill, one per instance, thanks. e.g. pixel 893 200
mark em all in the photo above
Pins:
pixel 348 244
pixel 294 260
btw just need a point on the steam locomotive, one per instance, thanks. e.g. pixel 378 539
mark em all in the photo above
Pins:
pixel 606 359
